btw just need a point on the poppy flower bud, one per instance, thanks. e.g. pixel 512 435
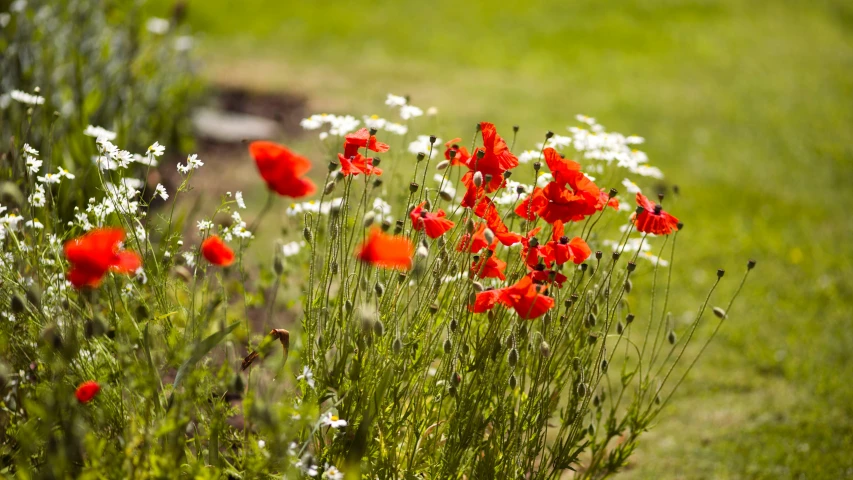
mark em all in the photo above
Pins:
pixel 534 242
pixel 592 338
pixel 549 134
pixel 515 128
pixel 422 251
pixel 590 320
pixel 568 303
pixel 369 218
pixel 455 379
pixel 469 226
pixel 671 338
pixel 629 318
pixel 612 193
pixel 398 227
pixel 489 236
pixel 750 264
pixel 619 327
pixel 307 234
pixel 615 256
pixel 433 308
pixel 432 139
pixel 377 183
pixel 591 430
pixel 720 273
pixel 427 207
pixel 598 255
pixel 421 156
pixel 17 304
pixel 379 328
pixel 348 306
pixel 373 131
pixel 481 153
pixel 448 346
pixel 584 267
pixel 454 325
pixel 446 196
pixel 397 346
pixel 581 389
pixel 478 286
pixel 537 166
pixel 604 365
pixel 330 187
pixel 413 187
pixel 519 190
pixel 632 266
pixel 680 225
pixel 639 210
pixel 545 349
pixel 333 165
pixel 512 358
pixel 513 382
pixel 478 179
pixel 379 288
pixel 507 174
pixel 386 225
pixel 442 165
pixel 628 286
pixel 719 312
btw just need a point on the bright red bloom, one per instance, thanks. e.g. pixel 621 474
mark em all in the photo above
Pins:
pixel 87 391
pixel 524 297
pixel 538 201
pixel 532 250
pixel 653 219
pixel 563 170
pixel 496 160
pixel 97 252
pixel 551 277
pixel 456 154
pixel 216 251
pixel 386 251
pixel 489 266
pixel 473 243
pixel 282 169
pixel 360 139
pixel 358 164
pixel 565 205
pixel 487 211
pixel 561 250
pixel 435 224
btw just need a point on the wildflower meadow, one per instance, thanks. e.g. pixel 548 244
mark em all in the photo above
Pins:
pixel 402 294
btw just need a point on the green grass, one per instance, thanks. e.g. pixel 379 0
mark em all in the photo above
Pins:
pixel 745 105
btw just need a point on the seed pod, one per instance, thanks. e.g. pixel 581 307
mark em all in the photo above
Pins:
pixel 454 325
pixel 629 318
pixel 719 312
pixel 455 379
pixel 421 156
pixel 604 366
pixel 348 306
pixel 576 363
pixel 413 187
pixel 581 389
pixel 631 266
pixel 720 273
pixel 591 430
pixel 445 195
pixel 545 349
pixel 442 165
pixel 590 320
pixel 307 234
pixel 592 338
pixel 379 328
pixel 513 382
pixel 750 264
pixel 619 327
pixel 448 346
pixel 386 225
pixel 277 265
pixel 377 182
pixel 671 337
pixel 512 357
pixel 465 349
pixel 537 166
pixel 628 285
pixel 369 218
pixel 329 188
pixel 596 401
pixel 397 346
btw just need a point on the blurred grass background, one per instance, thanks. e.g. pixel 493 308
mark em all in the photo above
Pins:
pixel 746 105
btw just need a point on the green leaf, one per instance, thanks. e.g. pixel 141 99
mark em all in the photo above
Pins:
pixel 201 349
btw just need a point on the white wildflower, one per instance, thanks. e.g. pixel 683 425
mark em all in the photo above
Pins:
pixel 410 111
pixel 156 149
pixel 50 178
pixel 26 98
pixel 422 145
pixel 308 376
pixel 34 223
pixel 292 248
pixel 189 257
pixel 630 187
pixel 330 420
pixel 30 150
pixel 374 121
pixel 395 100
pixel 239 198
pixel 262 444
pixel 204 225
pixel 37 198
pixel 157 26
pixel 332 473
pixel 33 164
pixel 66 174
pixel 396 128
pixel 99 132
pixel 161 190
pixel 528 156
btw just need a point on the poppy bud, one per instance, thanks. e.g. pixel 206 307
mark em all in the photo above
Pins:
pixel 379 289
pixel 373 131
pixel 612 193
pixel 379 328
pixel 619 327
pixel 604 366
pixel 545 349
pixel 433 308
pixel 277 265
pixel 629 318
pixel 512 358
pixel 17 304
pixel 549 134
pixel 720 273
pixel 489 236
pixel 421 156
pixel 590 320
pixel 598 255
pixel 592 338
pixel 584 267
pixel 515 128
pixel 376 161
pixel 632 266
pixel 377 183
pixel 369 218
pixel 534 242
pixel 719 312
pixel 348 306
pixel 427 206
pixel 680 225
pixel 488 178
pixel 448 346
pixel 397 346
pixel 513 382
pixel 442 165
pixel 455 379
pixel 639 210
pixel 329 188
pixel 507 174
pixel 671 337
pixel 581 389
pixel 472 298
pixel 481 153
pixel 398 227
pixel 333 165
pixel 446 196
pixel 568 303
pixel 478 179
pixel 307 234
pixel 628 285
pixel 454 325
pixel 537 166
pixel 591 430
pixel 596 401
pixel 422 252
pixel 519 189
pixel 413 187
pixel 432 139
pixel 576 363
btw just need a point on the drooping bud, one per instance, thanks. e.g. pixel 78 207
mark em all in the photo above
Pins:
pixel 581 389
pixel 278 265
pixel 592 338
pixel 671 338
pixel 590 320
pixel 454 324
pixel 478 179
pixel 628 285
pixel 369 218
pixel 549 134
pixel 379 288
pixel 448 346
pixel 442 165
pixel 489 235
pixel 629 318
pixel 719 312
pixel 604 366
pixel 513 382
pixel 455 379
pixel 379 328
pixel 750 264
pixel 445 195
pixel 619 327
pixel 512 357
pixel 545 349
pixel 348 306
pixel 329 188
pixel 307 234
pixel 397 346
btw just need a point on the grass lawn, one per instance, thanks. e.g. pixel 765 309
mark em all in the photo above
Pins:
pixel 746 105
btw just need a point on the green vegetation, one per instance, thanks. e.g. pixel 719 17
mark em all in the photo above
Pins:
pixel 747 108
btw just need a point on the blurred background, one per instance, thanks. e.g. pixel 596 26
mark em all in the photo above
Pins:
pixel 746 105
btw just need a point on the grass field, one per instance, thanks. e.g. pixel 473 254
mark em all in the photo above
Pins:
pixel 746 105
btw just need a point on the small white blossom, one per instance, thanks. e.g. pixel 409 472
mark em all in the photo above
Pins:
pixel 332 473
pixel 630 187
pixel 292 248
pixel 156 149
pixel 26 98
pixel 189 257
pixel 374 121
pixel 157 26
pixel 99 132
pixel 422 145
pixel 528 156
pixel 238 197
pixel 262 444
pixel 395 100
pixel 330 420
pixel 308 376
pixel 184 43
pixel 33 164
pixel 396 128
pixel 50 178
pixel 30 150
pixel 34 223
pixel 432 111
pixel 37 198
pixel 193 163
pixel 65 173
pixel 161 190
pixel 204 225
pixel 410 111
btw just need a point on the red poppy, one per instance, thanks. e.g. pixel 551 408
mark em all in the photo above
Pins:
pixel 358 164
pixel 567 205
pixel 435 224
pixel 87 391
pixel 495 161
pixel 386 251
pixel 550 277
pixel 532 205
pixel 456 154
pixel 473 243
pixel 216 251
pixel 563 170
pixel 361 139
pixel 532 250
pixel 561 250
pixel 524 297
pixel 653 219
pixel 487 211
pixel 489 266
pixel 97 252
pixel 282 169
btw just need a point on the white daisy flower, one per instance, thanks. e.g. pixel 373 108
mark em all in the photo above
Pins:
pixel 157 26
pixel 422 145
pixel 239 198
pixel 292 248
pixel 161 190
pixel 33 164
pixel 156 149
pixel 308 376
pixel 204 225
pixel 37 198
pixel 332 473
pixel 630 187
pixel 528 156
pixel 34 223
pixel 99 132
pixel 50 178
pixel 396 128
pixel 374 121
pixel 330 420
pixel 410 111
pixel 395 100
pixel 26 98
pixel 30 150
